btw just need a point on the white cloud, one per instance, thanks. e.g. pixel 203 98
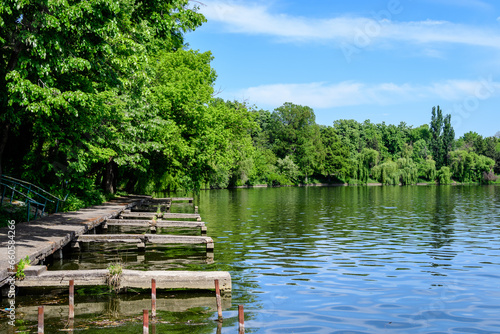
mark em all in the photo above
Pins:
pixel 323 95
pixel 465 3
pixel 358 31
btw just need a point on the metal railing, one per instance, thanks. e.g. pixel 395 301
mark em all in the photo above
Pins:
pixel 30 194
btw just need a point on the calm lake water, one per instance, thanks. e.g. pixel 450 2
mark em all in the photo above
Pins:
pixel 322 260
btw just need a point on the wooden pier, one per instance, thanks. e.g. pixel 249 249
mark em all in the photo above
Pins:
pixel 46 236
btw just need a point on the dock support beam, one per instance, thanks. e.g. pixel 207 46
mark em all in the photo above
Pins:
pixel 210 247
pixel 141 246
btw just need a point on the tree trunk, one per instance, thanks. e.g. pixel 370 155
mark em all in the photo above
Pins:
pixel 109 177
pixel 3 141
pixel 4 128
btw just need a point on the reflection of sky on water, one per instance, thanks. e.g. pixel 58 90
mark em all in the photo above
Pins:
pixel 342 260
pixel 396 259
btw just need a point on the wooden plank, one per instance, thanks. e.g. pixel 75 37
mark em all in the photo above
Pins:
pixel 166 200
pixel 182 199
pixel 151 208
pixel 171 199
pixel 150 215
pixel 149 238
pixel 182 216
pixel 157 224
pixel 191 280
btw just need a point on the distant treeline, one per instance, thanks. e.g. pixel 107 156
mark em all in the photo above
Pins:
pixel 359 153
pixel 100 96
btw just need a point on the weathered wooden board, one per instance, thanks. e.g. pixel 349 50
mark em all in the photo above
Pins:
pixel 190 280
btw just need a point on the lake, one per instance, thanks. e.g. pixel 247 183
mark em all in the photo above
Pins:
pixel 416 259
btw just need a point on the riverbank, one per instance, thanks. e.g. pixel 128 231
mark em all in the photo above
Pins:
pixel 371 184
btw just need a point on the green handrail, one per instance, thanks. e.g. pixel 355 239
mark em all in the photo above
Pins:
pixel 31 194
pixel 29 200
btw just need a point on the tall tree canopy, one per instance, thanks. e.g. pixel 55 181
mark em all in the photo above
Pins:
pixel 442 136
pixel 71 75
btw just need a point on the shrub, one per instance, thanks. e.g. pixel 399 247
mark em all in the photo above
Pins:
pixel 444 175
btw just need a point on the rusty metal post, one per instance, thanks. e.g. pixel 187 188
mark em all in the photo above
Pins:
pixel 219 301
pixel 145 322
pixel 40 320
pixel 241 319
pixel 153 298
pixel 72 299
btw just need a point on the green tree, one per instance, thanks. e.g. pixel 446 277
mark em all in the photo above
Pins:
pixel 469 166
pixel 421 151
pixel 63 68
pixel 427 169
pixel 336 161
pixel 408 171
pixel 420 133
pixel 442 137
pixel 387 172
pixel 350 135
pixel 297 135
pixel 444 175
pixel 471 141
pixel 288 169
pixel 363 163
pixel 394 137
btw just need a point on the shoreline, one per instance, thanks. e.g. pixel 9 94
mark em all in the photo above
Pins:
pixel 420 184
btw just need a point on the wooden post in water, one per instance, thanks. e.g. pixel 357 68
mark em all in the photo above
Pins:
pixel 71 299
pixel 219 301
pixel 40 320
pixel 153 298
pixel 241 319
pixel 145 322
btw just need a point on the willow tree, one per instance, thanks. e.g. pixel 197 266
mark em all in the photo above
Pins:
pixel 363 163
pixel 387 172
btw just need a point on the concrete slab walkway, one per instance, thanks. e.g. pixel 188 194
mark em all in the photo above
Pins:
pixel 38 276
pixel 42 237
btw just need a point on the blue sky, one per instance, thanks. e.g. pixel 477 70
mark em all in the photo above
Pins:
pixel 387 61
